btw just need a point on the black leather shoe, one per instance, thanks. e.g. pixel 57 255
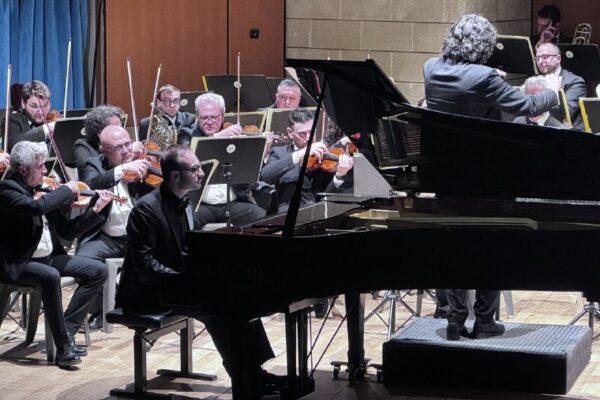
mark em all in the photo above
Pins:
pixel 440 312
pixel 272 379
pixel 78 350
pixel 454 331
pixel 65 357
pixel 95 322
pixel 486 330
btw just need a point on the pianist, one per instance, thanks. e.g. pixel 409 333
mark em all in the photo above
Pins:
pixel 459 83
pixel 155 259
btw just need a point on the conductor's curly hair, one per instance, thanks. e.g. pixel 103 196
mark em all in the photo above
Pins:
pixel 470 39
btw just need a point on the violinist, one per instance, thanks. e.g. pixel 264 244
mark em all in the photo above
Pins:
pixel 96 119
pixel 210 110
pixel 107 171
pixel 168 102
pixel 31 253
pixel 282 168
pixel 30 123
pixel 4 161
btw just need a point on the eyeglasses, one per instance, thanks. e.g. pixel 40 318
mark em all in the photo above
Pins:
pixel 205 118
pixel 193 169
pixel 286 98
pixel 545 57
pixel 170 102
pixel 119 148
pixel 36 106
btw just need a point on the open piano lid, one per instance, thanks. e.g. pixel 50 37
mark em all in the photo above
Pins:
pixel 422 150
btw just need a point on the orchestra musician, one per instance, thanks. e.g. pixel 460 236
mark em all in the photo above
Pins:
pixel 168 102
pixel 30 123
pixel 282 167
pixel 5 159
pixel 31 253
pixel 210 111
pixel 534 85
pixel 288 94
pixel 548 60
pixel 96 119
pixel 459 83
pixel 156 249
pixel 107 171
pixel 548 27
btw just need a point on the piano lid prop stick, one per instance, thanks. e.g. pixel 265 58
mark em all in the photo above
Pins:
pixel 67 79
pixel 238 86
pixel 130 80
pixel 7 111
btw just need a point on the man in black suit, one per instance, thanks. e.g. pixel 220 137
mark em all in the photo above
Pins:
pixel 282 168
pixel 29 123
pixel 32 254
pixel 156 250
pixel 108 171
pixel 548 27
pixel 548 60
pixel 459 83
pixel 167 103
pixel 210 111
pixel 534 85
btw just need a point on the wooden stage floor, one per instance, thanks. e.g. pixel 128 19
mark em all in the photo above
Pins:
pixel 24 373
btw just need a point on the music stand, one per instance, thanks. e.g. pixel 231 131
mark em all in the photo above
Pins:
pixel 240 159
pixel 79 112
pixel 254 93
pixel 208 167
pixel 187 101
pixel 581 59
pixel 256 118
pixel 590 113
pixel 513 54
pixel 66 132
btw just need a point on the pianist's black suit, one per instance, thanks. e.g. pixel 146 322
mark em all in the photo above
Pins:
pixel 477 91
pixel 156 251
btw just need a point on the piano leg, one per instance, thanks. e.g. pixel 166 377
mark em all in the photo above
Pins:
pixel 355 320
pixel 296 335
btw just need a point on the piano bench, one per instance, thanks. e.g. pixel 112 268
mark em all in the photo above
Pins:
pixel 147 329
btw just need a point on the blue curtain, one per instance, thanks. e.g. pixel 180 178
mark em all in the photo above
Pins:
pixel 34 38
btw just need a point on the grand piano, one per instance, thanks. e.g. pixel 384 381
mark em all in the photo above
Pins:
pixel 439 200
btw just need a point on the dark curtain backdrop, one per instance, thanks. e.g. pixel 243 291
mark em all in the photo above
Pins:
pixel 34 38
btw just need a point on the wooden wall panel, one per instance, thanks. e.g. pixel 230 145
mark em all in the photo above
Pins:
pixel 264 55
pixel 189 38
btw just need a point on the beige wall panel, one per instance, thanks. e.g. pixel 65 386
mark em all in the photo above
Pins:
pixel 312 54
pixel 330 34
pixel 455 8
pixel 411 90
pixel 368 10
pixel 508 10
pixel 298 33
pixel 419 11
pixel 383 59
pixel 519 28
pixel 313 9
pixel 393 36
pixel 429 37
pixel 408 67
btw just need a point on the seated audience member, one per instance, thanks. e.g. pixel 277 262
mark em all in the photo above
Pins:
pixel 96 119
pixel 30 123
pixel 32 254
pixel 548 27
pixel 282 168
pixel 155 260
pixel 210 110
pixel 116 170
pixel 535 85
pixel 167 103
pixel 548 60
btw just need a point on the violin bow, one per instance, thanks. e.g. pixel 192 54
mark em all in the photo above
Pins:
pixel 238 85
pixel 152 105
pixel 7 111
pixel 130 79
pixel 67 79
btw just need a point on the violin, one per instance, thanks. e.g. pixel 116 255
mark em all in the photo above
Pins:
pixel 153 175
pixel 330 159
pixel 53 115
pixel 50 184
